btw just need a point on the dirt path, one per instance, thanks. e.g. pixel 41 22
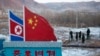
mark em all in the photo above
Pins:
pixel 92 43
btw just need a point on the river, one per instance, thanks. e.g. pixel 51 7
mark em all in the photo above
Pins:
pixel 76 51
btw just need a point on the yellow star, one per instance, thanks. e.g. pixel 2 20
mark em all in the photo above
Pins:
pixel 30 21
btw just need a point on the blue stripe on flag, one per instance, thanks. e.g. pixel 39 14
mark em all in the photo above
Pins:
pixel 16 38
pixel 15 18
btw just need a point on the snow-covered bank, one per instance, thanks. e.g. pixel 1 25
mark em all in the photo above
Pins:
pixel 7 39
pixel 69 51
pixel 63 32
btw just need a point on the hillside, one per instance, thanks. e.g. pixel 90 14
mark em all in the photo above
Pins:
pixel 38 7
pixel 58 14
pixel 76 6
pixel 18 4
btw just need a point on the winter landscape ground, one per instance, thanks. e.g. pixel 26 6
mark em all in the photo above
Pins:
pixel 63 33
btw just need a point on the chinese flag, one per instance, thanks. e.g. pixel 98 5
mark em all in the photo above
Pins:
pixel 37 28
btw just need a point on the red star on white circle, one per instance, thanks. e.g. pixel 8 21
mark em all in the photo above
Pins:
pixel 18 29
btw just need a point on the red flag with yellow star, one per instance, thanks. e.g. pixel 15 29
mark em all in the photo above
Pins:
pixel 37 28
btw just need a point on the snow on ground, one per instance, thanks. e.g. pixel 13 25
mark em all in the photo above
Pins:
pixel 95 31
pixel 7 39
pixel 63 32
pixel 69 51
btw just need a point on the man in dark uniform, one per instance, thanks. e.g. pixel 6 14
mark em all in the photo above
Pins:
pixel 80 33
pixel 88 33
pixel 71 35
pixel 76 36
pixel 83 38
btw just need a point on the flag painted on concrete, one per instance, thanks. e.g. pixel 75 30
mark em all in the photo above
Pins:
pixel 37 27
pixel 15 27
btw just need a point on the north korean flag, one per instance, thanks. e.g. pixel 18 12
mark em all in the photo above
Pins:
pixel 15 27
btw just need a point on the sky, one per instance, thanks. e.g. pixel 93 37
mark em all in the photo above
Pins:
pixel 47 1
